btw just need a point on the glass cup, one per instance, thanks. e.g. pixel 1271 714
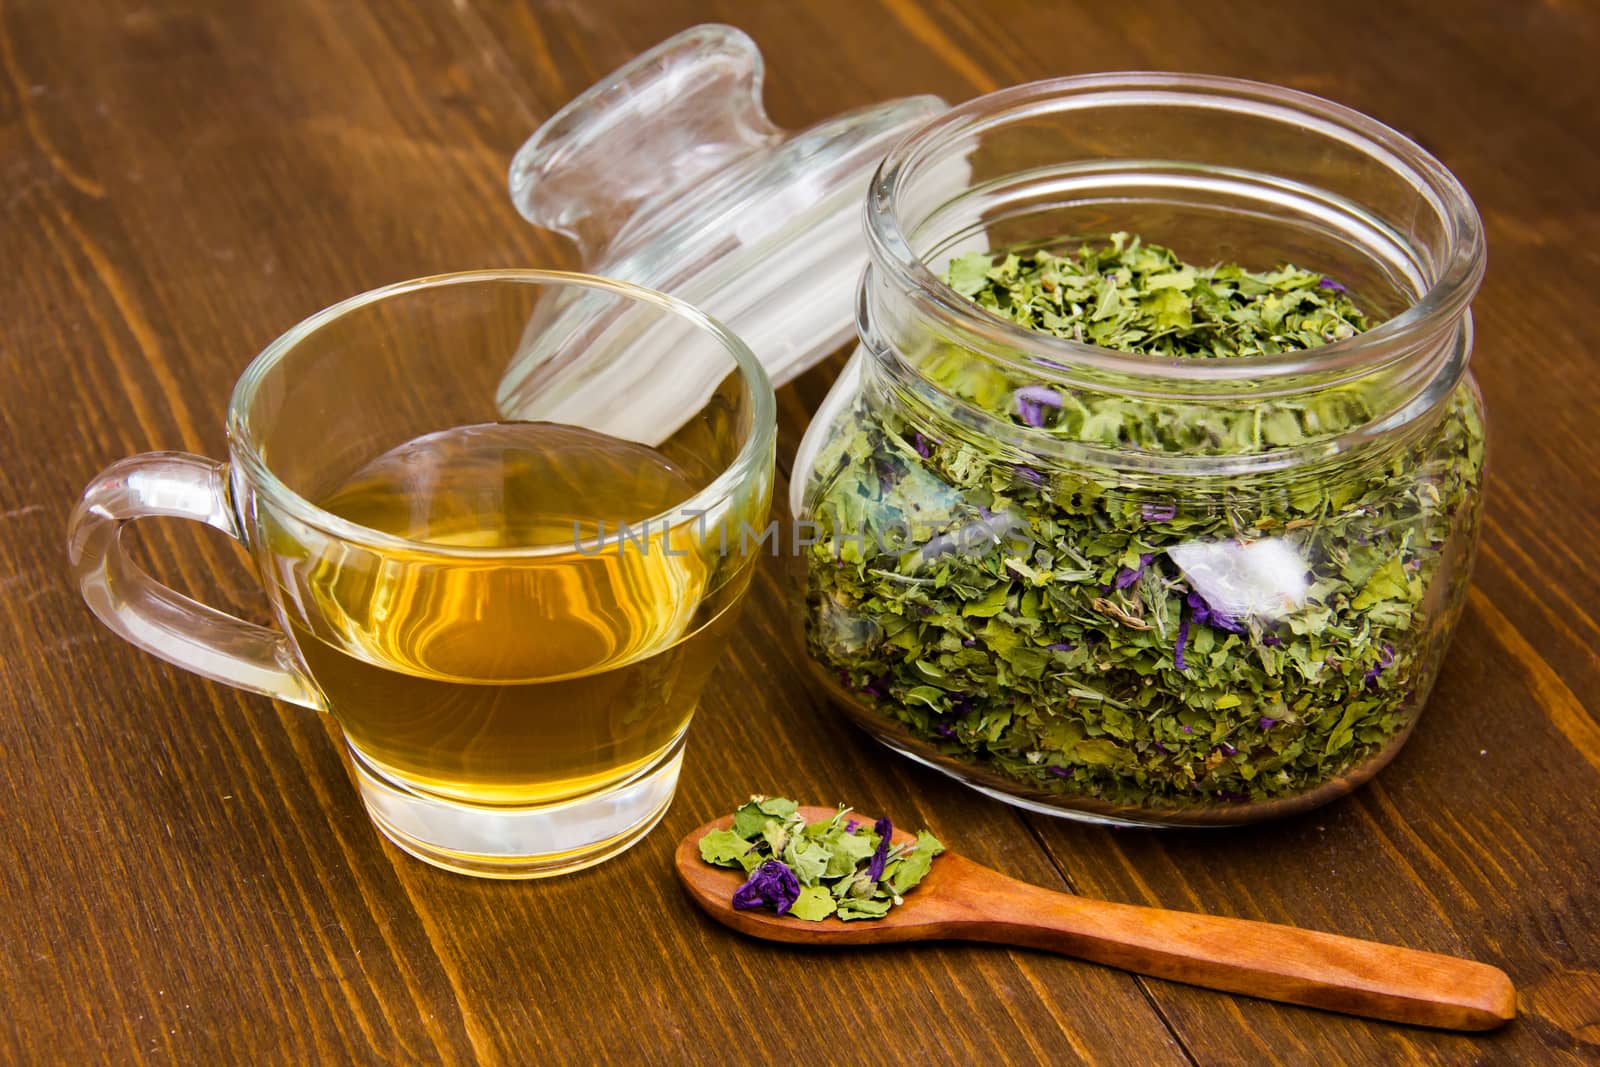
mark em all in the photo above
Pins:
pixel 510 609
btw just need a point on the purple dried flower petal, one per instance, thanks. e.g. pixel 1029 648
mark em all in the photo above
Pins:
pixel 1059 772
pixel 851 825
pixel 771 883
pixel 1177 649
pixel 920 443
pixel 1217 620
pixel 1267 724
pixel 1329 283
pixel 1061 646
pixel 1031 476
pixel 1272 640
pixel 1227 749
pixel 970 642
pixel 1032 400
pixel 944 729
pixel 1158 512
pixel 1161 748
pixel 1040 394
pixel 1385 659
pixel 1188 729
pixel 880 856
pixel 1127 577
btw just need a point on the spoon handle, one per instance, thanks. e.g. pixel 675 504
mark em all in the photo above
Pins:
pixel 1258 959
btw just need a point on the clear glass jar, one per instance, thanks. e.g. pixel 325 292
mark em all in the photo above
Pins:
pixel 1202 591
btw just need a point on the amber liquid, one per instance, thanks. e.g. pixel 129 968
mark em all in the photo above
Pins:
pixel 532 676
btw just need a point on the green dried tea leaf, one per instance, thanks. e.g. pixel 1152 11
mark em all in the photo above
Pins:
pixel 913 867
pixel 859 908
pixel 813 904
pixel 970 273
pixel 848 852
pixel 749 819
pixel 776 836
pixel 808 858
pixel 725 848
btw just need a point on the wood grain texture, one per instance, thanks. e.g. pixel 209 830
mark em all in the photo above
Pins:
pixel 185 874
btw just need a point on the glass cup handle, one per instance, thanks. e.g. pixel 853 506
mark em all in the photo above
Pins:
pixel 159 620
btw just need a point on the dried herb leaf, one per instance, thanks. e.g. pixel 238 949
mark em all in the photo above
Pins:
pixel 749 819
pixel 814 904
pixel 1134 642
pixel 863 908
pixel 727 849
pixel 913 867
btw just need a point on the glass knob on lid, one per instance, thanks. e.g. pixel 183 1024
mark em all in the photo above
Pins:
pixel 669 174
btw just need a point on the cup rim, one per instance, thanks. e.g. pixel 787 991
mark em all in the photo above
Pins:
pixel 243 449
pixel 1443 302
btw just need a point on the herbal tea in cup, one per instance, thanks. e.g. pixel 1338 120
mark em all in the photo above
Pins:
pixel 511 620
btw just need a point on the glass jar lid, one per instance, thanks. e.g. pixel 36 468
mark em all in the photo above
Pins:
pixel 669 174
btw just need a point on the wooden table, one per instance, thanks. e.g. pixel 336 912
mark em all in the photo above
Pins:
pixel 185 873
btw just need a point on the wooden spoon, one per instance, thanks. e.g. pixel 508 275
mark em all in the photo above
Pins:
pixel 964 901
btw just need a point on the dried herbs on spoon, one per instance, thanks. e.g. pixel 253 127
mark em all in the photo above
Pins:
pixel 811 870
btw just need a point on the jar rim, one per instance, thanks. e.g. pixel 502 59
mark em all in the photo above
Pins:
pixel 1443 303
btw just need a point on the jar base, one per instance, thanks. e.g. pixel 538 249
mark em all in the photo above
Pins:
pixel 1103 813
pixel 537 841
